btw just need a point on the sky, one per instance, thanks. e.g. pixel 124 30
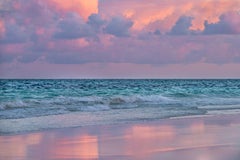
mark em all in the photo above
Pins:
pixel 120 39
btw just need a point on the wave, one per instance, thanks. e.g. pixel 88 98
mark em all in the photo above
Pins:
pixel 20 108
pixel 83 101
pixel 74 119
pixel 13 104
pixel 117 100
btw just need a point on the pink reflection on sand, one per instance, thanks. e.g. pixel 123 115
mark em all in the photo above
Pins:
pixel 144 139
pixel 80 147
pixel 197 127
pixel 17 146
pixel 196 139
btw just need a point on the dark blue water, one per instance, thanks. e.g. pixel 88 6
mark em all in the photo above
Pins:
pixel 116 100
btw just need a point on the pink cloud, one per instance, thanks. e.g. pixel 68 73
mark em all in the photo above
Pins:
pixel 2 29
pixel 167 13
pixel 82 7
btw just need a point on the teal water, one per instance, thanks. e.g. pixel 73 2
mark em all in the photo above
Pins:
pixel 127 100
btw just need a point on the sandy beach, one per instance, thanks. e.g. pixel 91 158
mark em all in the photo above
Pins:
pixel 195 138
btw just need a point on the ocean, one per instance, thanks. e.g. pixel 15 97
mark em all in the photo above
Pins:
pixel 28 105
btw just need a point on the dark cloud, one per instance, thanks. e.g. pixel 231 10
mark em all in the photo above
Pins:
pixel 22 22
pixel 14 34
pixel 182 26
pixel 228 24
pixel 28 13
pixel 148 35
pixel 34 12
pixel 6 7
pixel 72 27
pixel 119 27
pixel 157 32
pixel 95 21
pixel 217 28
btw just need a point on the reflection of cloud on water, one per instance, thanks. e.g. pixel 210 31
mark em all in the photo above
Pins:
pixel 17 146
pixel 83 147
pixel 176 139
pixel 196 140
pixel 144 139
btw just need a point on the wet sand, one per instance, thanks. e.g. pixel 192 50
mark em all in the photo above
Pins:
pixel 196 138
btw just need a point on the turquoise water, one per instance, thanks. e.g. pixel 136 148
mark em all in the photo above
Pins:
pixel 117 100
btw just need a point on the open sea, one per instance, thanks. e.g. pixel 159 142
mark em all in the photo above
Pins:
pixel 28 105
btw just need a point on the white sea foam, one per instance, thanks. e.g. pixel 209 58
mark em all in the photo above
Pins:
pixel 220 107
pixel 75 119
pixel 13 104
pixel 95 108
pixel 65 104
pixel 83 101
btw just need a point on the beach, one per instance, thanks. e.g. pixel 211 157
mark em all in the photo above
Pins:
pixel 119 79
pixel 197 138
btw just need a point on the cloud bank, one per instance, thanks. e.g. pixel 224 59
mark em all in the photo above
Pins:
pixel 143 32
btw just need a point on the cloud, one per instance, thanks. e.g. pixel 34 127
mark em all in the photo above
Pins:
pixel 24 21
pixel 182 26
pixel 82 7
pixel 14 34
pixel 166 13
pixel 72 27
pixel 5 7
pixel 229 23
pixel 141 12
pixel 67 35
pixel 95 21
pixel 118 26
pixel 29 13
pixel 211 10
pixel 156 50
pixel 2 29
pixel 217 49
pixel 33 12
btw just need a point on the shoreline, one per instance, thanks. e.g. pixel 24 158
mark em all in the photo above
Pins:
pixel 151 121
pixel 214 137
